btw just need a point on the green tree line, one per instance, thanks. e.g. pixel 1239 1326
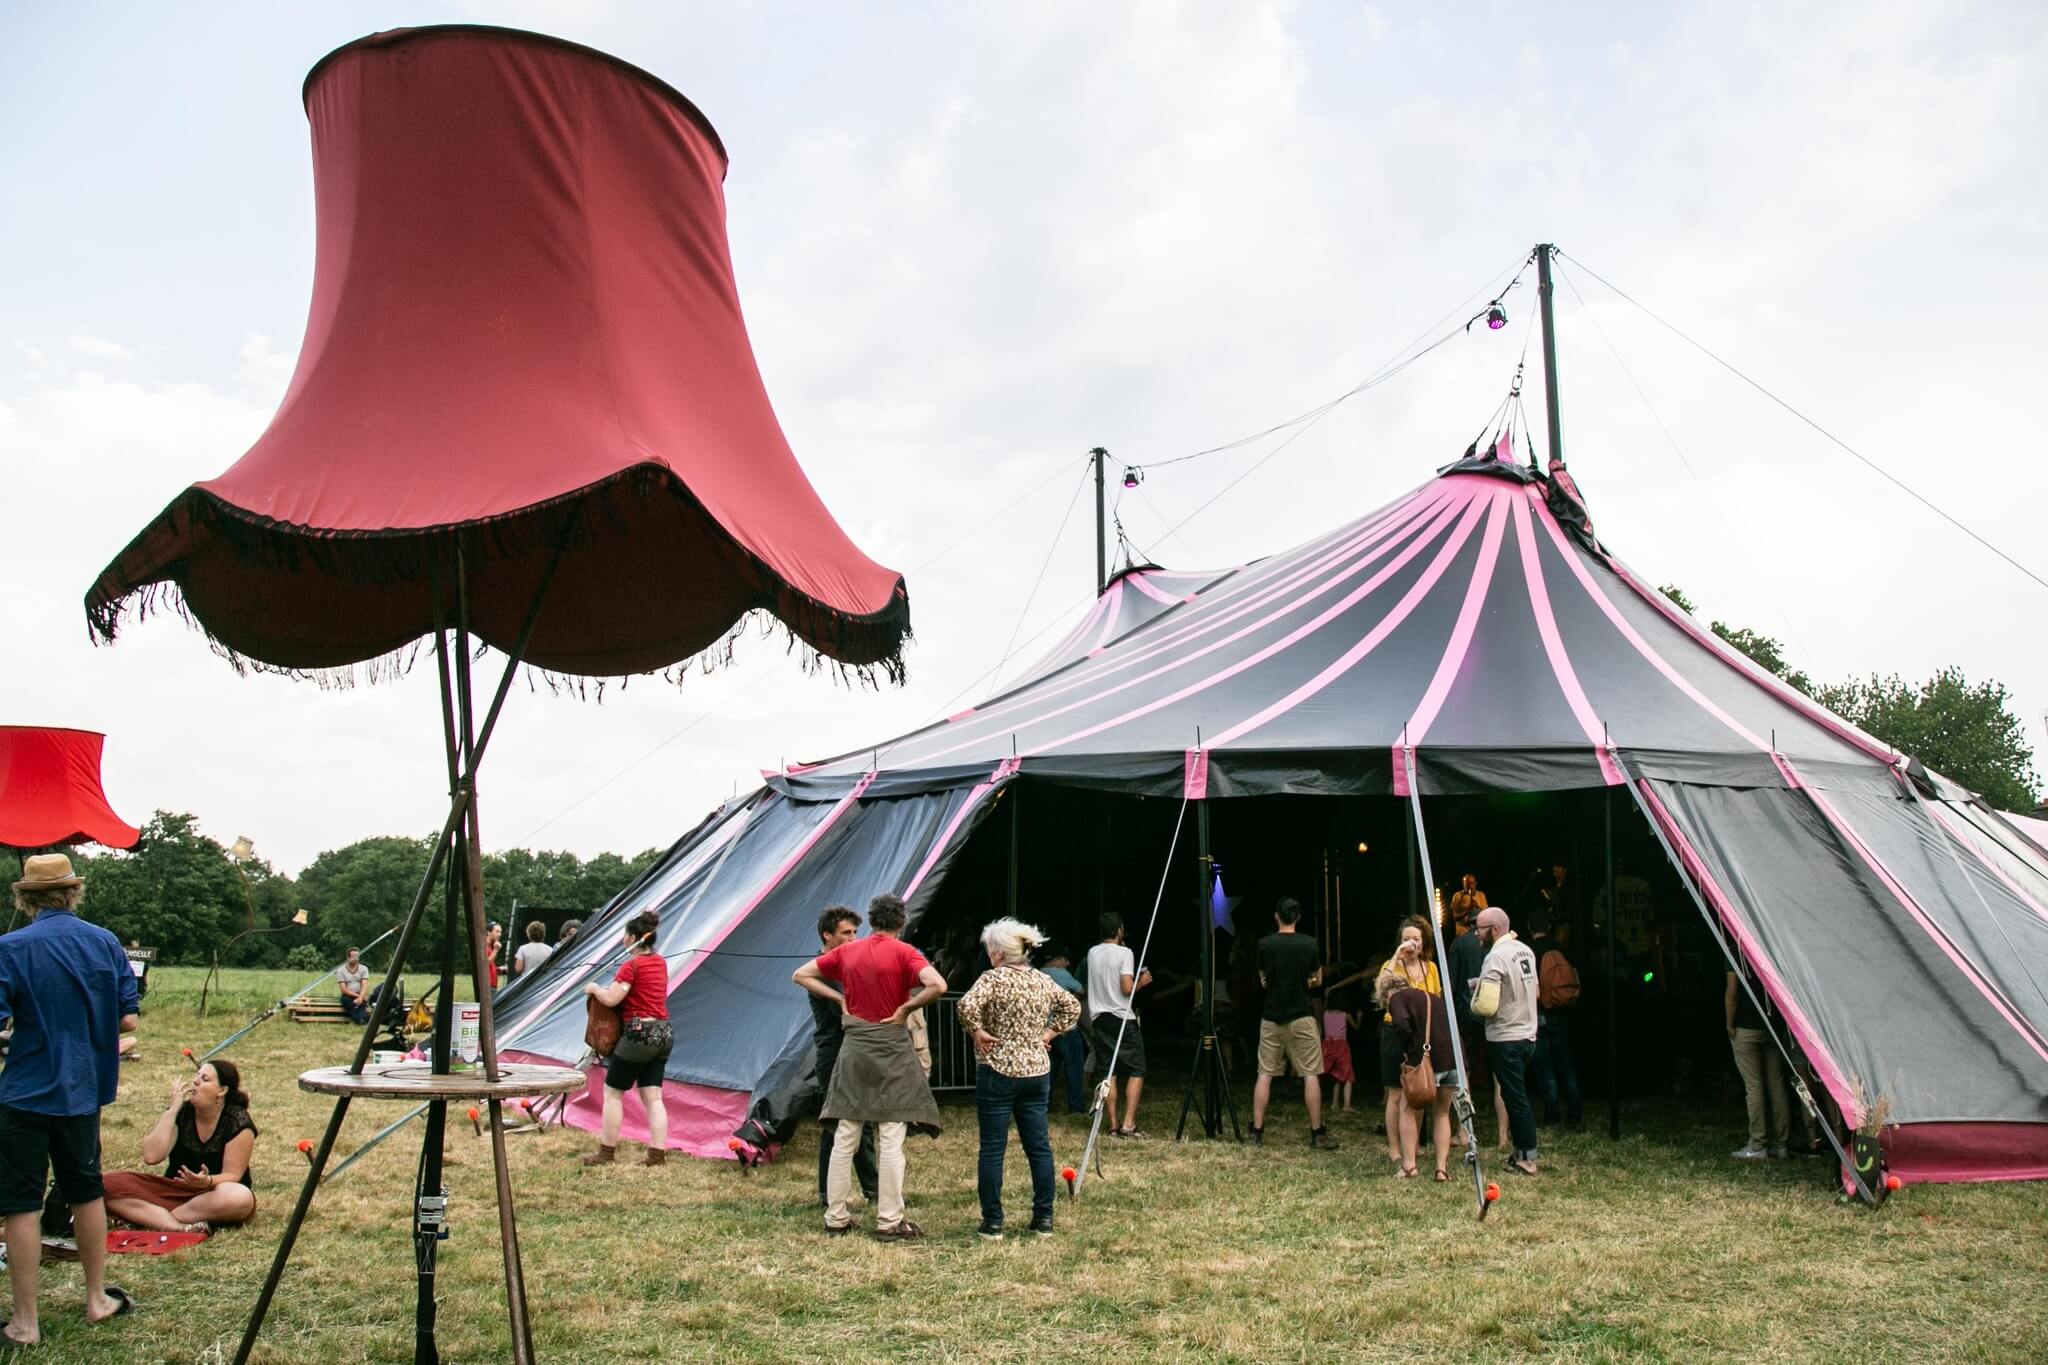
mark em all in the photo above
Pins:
pixel 187 896
pixel 1963 730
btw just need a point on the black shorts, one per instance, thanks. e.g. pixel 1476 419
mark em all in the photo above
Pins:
pixel 1391 1056
pixel 1130 1057
pixel 620 1075
pixel 32 1146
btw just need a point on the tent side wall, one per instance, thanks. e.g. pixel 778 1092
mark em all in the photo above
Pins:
pixel 1886 999
pixel 740 911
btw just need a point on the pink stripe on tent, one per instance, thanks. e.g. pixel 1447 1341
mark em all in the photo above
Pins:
pixel 1111 604
pixel 1775 687
pixel 1453 661
pixel 1634 637
pixel 1389 528
pixel 1990 865
pixel 1003 773
pixel 1824 1065
pixel 1137 580
pixel 600 951
pixel 959 715
pixel 701 1118
pixel 1553 644
pixel 1386 626
pixel 696 957
pixel 1985 987
pixel 1414 547
pixel 1948 1152
pixel 1195 782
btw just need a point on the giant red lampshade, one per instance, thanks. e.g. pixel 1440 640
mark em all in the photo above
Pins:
pixel 525 410
pixel 524 334
pixel 50 790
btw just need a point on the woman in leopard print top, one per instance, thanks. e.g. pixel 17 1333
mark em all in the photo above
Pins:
pixel 1013 1013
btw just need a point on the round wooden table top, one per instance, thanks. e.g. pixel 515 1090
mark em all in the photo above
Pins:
pixel 417 1081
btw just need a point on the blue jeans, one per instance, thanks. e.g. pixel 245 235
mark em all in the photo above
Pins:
pixel 1510 1063
pixel 996 1099
pixel 1554 1072
pixel 1068 1053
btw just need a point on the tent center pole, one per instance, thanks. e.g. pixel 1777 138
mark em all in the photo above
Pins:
pixel 1097 456
pixel 1544 251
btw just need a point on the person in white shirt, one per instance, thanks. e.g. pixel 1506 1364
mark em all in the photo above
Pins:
pixel 1505 997
pixel 534 951
pixel 1113 982
pixel 351 978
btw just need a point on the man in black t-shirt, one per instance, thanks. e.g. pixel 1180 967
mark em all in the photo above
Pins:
pixel 836 926
pixel 1289 967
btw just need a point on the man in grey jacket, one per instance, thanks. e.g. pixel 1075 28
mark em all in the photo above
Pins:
pixel 1506 1000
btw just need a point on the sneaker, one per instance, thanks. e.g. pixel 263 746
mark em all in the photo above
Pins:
pixel 989 1232
pixel 1041 1227
pixel 1780 1153
pixel 1258 1137
pixel 1751 1152
pixel 1321 1141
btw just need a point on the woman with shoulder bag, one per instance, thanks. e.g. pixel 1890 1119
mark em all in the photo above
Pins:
pixel 1429 1072
pixel 1407 965
pixel 639 991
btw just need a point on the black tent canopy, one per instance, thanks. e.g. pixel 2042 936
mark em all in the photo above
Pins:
pixel 1475 634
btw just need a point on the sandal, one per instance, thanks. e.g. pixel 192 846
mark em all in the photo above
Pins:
pixel 1443 1177
pixel 1406 1173
pixel 1130 1135
pixel 123 1298
pixel 902 1232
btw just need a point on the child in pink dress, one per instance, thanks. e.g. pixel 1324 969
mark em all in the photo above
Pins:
pixel 1337 1051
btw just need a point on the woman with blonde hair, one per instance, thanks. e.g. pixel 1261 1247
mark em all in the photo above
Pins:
pixel 1013 1013
pixel 1409 966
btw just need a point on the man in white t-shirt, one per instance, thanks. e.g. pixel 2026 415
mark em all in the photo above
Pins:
pixel 534 951
pixel 1506 1000
pixel 1113 980
pixel 353 979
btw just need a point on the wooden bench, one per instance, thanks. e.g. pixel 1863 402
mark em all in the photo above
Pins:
pixel 324 1009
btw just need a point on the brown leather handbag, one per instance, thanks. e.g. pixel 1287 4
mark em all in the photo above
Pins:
pixel 1418 1083
pixel 601 1033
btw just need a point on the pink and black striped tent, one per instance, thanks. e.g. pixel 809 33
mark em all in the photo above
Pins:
pixel 1475 634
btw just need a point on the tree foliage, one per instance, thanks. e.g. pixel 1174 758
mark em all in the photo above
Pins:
pixel 182 893
pixel 1965 731
pixel 1962 730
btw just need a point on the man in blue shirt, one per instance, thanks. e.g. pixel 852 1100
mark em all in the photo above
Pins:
pixel 72 995
pixel 1067 1049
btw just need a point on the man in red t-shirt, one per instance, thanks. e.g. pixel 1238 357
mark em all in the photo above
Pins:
pixel 883 981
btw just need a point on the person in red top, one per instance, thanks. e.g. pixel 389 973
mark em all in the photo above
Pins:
pixel 639 991
pixel 883 983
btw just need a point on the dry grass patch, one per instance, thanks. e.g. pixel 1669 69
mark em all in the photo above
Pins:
pixel 1653 1248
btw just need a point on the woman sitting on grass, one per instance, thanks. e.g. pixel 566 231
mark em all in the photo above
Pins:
pixel 204 1137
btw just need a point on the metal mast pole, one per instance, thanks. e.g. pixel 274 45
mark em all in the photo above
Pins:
pixel 1543 293
pixel 1098 455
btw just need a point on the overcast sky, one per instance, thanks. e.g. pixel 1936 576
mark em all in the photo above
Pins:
pixel 974 240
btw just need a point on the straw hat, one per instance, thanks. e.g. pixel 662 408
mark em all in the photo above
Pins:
pixel 47 872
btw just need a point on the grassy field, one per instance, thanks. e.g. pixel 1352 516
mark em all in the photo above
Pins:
pixel 1654 1248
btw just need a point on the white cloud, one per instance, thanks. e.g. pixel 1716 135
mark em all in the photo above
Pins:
pixel 99 347
pixel 1030 230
